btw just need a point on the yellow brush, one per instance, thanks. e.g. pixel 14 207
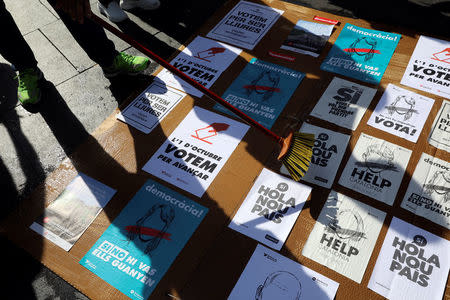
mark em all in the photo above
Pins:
pixel 296 148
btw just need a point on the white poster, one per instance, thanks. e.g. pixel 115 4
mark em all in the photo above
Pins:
pixel 328 149
pixel 196 151
pixel 70 214
pixel 246 24
pixel 269 275
pixel 428 193
pixel 429 67
pixel 440 131
pixel 413 264
pixel 203 60
pixel 151 106
pixel 375 168
pixel 344 235
pixel 270 209
pixel 344 103
pixel 401 112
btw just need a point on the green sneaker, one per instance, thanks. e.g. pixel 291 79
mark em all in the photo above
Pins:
pixel 127 64
pixel 28 91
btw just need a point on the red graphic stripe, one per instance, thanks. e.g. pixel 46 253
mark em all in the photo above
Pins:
pixel 148 231
pixel 261 88
pixel 361 50
pixel 282 56
pixel 326 20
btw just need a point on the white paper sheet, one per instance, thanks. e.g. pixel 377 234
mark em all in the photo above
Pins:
pixel 270 209
pixel 428 67
pixel 413 264
pixel 70 214
pixel 440 131
pixel 329 147
pixel 343 103
pixel 269 275
pixel 246 24
pixel 344 235
pixel 151 106
pixel 401 112
pixel 375 168
pixel 196 151
pixel 203 60
pixel 428 193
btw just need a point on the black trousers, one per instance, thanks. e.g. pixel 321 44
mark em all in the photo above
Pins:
pixel 89 35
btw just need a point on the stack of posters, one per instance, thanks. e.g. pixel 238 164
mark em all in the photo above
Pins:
pixel 327 152
pixel 428 193
pixel 196 151
pixel 308 38
pixel 70 214
pixel 440 131
pixel 361 53
pixel 270 209
pixel 412 264
pixel 137 249
pixel 262 90
pixel 151 106
pixel 246 24
pixel 269 275
pixel 428 67
pixel 375 168
pixel 343 103
pixel 401 112
pixel 203 60
pixel 344 235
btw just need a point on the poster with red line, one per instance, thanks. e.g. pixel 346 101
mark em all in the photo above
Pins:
pixel 262 90
pixel 137 249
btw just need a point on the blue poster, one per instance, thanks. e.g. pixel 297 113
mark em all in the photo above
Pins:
pixel 137 249
pixel 361 53
pixel 262 90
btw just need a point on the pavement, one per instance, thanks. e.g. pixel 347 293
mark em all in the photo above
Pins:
pixel 78 98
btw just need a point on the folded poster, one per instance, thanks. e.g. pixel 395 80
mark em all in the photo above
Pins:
pixel 440 131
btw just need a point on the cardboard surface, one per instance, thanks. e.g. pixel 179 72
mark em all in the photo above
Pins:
pixel 215 256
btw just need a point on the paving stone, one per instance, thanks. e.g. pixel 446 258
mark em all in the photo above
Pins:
pixel 56 68
pixel 63 40
pixel 29 14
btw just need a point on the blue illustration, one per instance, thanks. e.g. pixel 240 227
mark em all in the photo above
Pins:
pixel 262 90
pixel 361 53
pixel 137 249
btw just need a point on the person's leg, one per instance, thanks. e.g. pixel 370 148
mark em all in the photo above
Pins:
pixel 15 49
pixel 92 38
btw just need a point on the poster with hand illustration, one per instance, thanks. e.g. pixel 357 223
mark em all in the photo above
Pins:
pixel 428 193
pixel 139 246
pixel 344 235
pixel 269 275
pixel 195 152
pixel 329 147
pixel 270 209
pixel 375 168
pixel 361 53
pixel 343 103
pixel 401 112
pixel 262 90
pixel 413 264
